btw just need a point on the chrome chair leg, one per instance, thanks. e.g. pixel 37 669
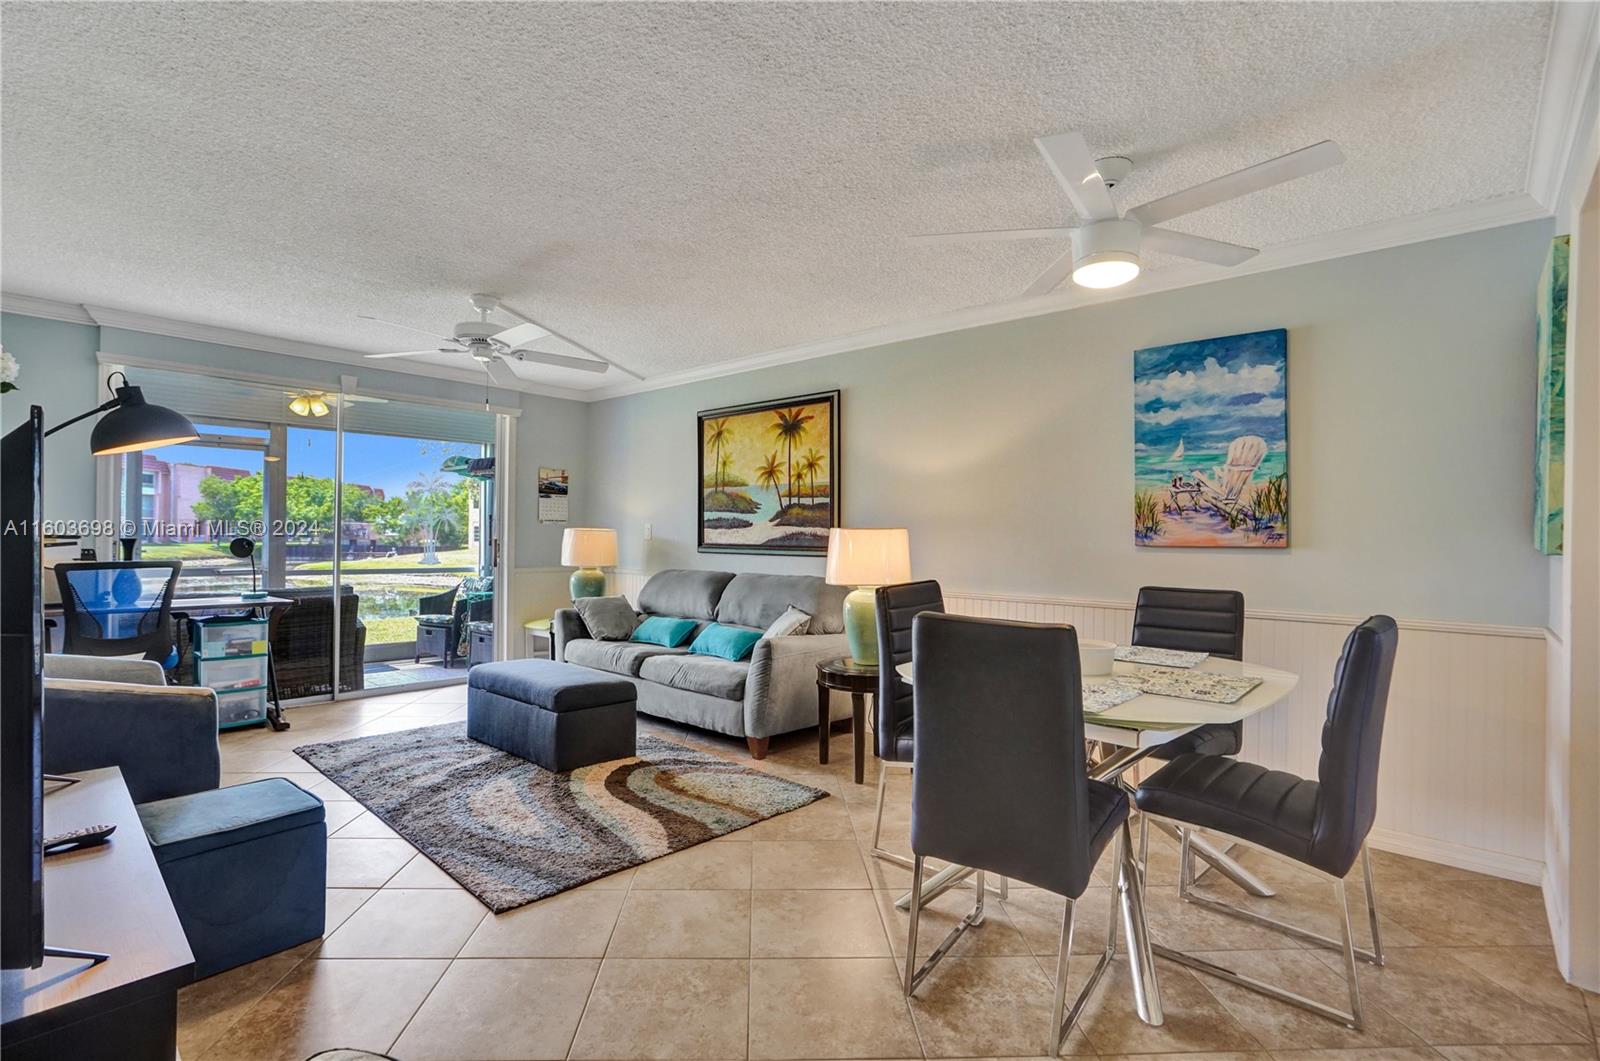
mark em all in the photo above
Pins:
pixel 916 919
pixel 915 974
pixel 1058 1031
pixel 1372 905
pixel 1349 953
pixel 1062 1021
pixel 1345 944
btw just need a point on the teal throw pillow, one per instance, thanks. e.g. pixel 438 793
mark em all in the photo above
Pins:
pixel 726 642
pixel 661 630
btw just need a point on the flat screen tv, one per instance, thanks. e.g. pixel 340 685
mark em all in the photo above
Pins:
pixel 21 696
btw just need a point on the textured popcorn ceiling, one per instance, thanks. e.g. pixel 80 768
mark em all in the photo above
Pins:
pixel 678 185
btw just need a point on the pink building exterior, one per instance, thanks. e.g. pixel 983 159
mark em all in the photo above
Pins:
pixel 169 491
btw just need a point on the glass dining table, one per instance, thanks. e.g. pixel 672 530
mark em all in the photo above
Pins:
pixel 1148 717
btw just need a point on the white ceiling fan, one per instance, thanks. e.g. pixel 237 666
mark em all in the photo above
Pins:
pixel 1106 243
pixel 491 345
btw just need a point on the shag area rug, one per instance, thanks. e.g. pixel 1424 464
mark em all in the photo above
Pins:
pixel 510 832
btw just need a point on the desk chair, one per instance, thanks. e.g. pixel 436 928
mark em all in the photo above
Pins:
pixel 119 608
pixel 1321 824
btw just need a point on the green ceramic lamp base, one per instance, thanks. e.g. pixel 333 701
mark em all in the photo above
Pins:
pixel 588 582
pixel 861 625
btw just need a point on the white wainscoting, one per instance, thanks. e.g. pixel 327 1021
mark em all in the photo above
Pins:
pixel 1462 776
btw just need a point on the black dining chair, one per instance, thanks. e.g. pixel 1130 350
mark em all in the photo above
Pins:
pixel 893 720
pixel 119 608
pixel 1194 620
pixel 1198 620
pixel 1001 784
pixel 1321 824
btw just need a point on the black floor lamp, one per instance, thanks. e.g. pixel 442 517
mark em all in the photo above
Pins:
pixel 131 423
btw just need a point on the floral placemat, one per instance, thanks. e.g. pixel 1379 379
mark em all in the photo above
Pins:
pixel 1192 685
pixel 1160 657
pixel 1103 696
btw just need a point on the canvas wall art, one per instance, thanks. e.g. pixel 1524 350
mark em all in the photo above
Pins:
pixel 769 476
pixel 1211 443
pixel 1550 423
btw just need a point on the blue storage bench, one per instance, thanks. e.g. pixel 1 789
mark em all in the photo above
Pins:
pixel 246 868
pixel 557 715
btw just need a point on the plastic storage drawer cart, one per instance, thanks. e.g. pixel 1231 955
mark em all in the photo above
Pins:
pixel 231 659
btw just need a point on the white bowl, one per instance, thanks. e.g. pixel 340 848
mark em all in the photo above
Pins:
pixel 1096 657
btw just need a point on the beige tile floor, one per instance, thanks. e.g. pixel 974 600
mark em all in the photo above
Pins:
pixel 782 941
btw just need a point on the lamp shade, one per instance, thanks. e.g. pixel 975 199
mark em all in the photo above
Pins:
pixel 136 424
pixel 868 557
pixel 588 547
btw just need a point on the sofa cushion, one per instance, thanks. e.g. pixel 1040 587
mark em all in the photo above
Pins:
pixel 692 594
pixel 758 600
pixel 548 684
pixel 727 642
pixel 792 622
pixel 608 618
pixel 721 678
pixel 617 657
pixel 189 825
pixel 661 630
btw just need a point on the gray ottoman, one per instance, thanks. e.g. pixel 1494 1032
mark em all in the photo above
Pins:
pixel 556 715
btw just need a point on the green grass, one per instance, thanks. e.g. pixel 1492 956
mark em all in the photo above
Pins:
pixel 394 630
pixel 185 551
pixel 447 558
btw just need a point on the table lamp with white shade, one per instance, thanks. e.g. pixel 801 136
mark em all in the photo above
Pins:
pixel 588 549
pixel 866 558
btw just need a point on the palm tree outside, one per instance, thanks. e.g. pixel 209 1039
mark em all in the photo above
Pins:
pixel 430 513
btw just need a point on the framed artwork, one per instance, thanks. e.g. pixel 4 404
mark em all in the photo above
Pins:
pixel 1211 443
pixel 769 476
pixel 1550 423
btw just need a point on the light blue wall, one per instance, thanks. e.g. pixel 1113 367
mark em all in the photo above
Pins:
pixel 59 371
pixel 1007 450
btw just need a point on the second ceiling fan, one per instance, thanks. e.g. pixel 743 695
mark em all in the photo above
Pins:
pixel 1106 243
pixel 492 345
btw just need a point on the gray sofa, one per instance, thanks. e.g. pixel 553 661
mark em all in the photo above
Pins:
pixel 773 692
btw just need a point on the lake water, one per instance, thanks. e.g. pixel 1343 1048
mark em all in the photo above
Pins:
pixel 1155 470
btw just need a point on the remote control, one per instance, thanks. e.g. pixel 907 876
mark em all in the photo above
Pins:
pixel 76 839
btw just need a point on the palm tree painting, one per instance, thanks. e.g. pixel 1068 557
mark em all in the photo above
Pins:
pixel 769 476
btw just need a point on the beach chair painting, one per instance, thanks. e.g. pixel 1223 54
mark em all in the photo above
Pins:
pixel 1211 443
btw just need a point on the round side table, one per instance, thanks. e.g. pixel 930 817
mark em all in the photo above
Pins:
pixel 860 681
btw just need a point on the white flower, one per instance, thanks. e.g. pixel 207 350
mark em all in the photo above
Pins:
pixel 8 371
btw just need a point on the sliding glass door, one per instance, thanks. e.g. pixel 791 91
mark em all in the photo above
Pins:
pixel 374 516
pixel 417 536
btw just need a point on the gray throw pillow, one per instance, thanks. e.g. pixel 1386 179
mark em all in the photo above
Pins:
pixel 608 618
pixel 792 621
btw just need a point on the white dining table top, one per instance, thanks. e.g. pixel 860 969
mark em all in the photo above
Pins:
pixel 1150 719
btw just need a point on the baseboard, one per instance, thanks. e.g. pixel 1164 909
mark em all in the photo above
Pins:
pixel 1492 863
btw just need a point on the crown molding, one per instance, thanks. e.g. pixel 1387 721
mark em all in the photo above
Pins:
pixel 1570 72
pixel 150 324
pixel 131 321
pixel 1381 235
pixel 48 308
